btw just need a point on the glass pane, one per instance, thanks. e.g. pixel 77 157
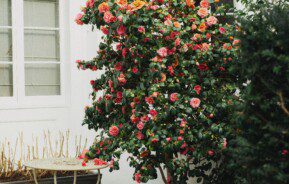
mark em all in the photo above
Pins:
pixel 41 13
pixel 5 13
pixel 5 45
pixel 41 45
pixel 42 79
pixel 6 80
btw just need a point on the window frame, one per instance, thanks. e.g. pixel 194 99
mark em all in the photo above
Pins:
pixel 19 99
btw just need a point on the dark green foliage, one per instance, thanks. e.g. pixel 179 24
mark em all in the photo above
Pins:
pixel 259 151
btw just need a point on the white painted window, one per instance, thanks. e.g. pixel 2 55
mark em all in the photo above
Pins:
pixel 32 52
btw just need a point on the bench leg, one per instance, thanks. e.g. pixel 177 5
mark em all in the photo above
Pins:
pixel 75 176
pixel 98 176
pixel 55 177
pixel 34 175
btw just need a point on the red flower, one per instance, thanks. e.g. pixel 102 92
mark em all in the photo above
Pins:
pixel 124 52
pixel 92 82
pixel 145 118
pixel 137 177
pixel 198 89
pixel 203 67
pixel 121 79
pixel 155 140
pixel 171 70
pixel 114 131
pixel 139 136
pixel 180 138
pixel 119 94
pixel 82 156
pixel 121 30
pixel 141 29
pixel 222 30
pixel 118 66
pixel 284 152
pixel 153 112
pixel 99 162
pixel 83 164
pixel 78 19
pixel 134 70
pixel 149 100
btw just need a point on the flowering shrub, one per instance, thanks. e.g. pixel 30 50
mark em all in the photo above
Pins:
pixel 165 88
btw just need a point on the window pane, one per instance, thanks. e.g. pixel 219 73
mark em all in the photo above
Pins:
pixel 41 13
pixel 41 45
pixel 6 80
pixel 5 12
pixel 42 79
pixel 5 45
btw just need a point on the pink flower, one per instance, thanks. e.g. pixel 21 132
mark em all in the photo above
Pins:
pixel 119 18
pixel 205 47
pixel 225 143
pixel 194 27
pixel 124 52
pixel 163 52
pixel 198 89
pixel 222 30
pixel 205 4
pixel 119 94
pixel 203 12
pixel 169 139
pixel 211 152
pixel 174 97
pixel 90 3
pixel 118 46
pixel 177 42
pixel 153 112
pixel 137 177
pixel 134 70
pixel 121 30
pixel 114 131
pixel 139 135
pixel 78 19
pixel 141 29
pixel 155 7
pixel 183 123
pixel 180 138
pixel 145 118
pixel 108 17
pixel 212 20
pixel 195 103
pixel 140 125
pixel 111 164
pixel 157 59
pixel 104 30
pixel 98 161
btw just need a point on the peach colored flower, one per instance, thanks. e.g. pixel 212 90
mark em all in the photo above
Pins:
pixel 103 7
pixel 78 19
pixel 108 17
pixel 197 36
pixel 194 27
pixel 205 4
pixel 121 3
pixel 138 4
pixel 235 42
pixel 114 131
pixel 177 25
pixel 163 52
pixel 168 22
pixel 202 28
pixel 157 59
pixel 212 20
pixel 121 79
pixel 174 97
pixel 177 42
pixel 164 77
pixel 205 47
pixel 190 3
pixel 195 102
pixel 203 12
pixel 90 3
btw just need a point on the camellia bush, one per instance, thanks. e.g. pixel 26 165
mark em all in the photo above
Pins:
pixel 165 89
